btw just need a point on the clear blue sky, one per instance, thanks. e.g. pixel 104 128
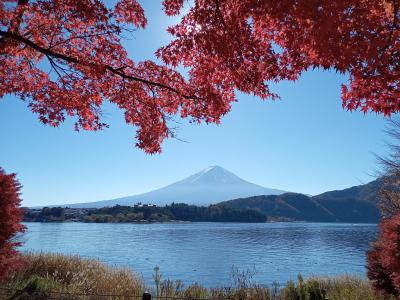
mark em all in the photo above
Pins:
pixel 304 142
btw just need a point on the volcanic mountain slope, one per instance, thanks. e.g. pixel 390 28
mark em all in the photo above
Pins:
pixel 211 185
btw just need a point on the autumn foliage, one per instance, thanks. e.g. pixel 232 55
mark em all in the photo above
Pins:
pixel 10 218
pixel 384 258
pixel 65 58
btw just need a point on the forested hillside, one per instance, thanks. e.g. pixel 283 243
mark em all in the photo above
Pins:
pixel 356 204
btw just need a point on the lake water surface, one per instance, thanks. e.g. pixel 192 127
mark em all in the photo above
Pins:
pixel 206 252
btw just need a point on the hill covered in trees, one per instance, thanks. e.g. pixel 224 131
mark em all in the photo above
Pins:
pixel 356 205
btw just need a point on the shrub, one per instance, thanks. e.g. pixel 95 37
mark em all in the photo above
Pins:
pixel 36 288
pixel 10 223
pixel 384 258
pixel 290 291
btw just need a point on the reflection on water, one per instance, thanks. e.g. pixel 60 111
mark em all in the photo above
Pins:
pixel 206 252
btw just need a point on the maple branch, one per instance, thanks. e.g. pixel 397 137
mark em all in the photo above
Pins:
pixel 394 26
pixel 83 37
pixel 220 14
pixel 395 18
pixel 16 22
pixel 54 65
pixel 116 71
pixel 221 17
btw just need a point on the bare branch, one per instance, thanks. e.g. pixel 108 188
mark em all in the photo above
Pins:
pixel 389 201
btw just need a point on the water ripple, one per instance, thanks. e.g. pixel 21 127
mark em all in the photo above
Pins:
pixel 206 252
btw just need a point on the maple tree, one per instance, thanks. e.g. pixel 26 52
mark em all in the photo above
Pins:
pixel 10 226
pixel 65 57
pixel 384 258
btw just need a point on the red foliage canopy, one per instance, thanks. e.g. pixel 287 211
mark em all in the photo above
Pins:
pixel 384 258
pixel 227 45
pixel 10 218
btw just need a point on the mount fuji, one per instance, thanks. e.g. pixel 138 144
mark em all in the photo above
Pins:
pixel 211 185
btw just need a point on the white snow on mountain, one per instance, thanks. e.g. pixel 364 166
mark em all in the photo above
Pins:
pixel 211 185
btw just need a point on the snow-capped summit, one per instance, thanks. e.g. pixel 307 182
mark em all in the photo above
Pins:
pixel 211 185
pixel 212 175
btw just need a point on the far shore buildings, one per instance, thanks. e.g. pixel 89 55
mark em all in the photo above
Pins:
pixel 140 204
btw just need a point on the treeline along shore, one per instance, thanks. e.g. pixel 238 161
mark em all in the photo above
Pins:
pixel 258 209
pixel 145 213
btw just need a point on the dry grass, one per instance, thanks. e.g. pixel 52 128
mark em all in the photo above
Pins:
pixel 314 288
pixel 55 276
pixel 345 287
pixel 74 275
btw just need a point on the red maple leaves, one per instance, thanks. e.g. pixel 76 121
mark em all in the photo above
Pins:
pixel 384 258
pixel 10 218
pixel 226 46
pixel 246 43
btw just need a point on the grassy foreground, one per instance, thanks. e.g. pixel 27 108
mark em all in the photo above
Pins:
pixel 54 276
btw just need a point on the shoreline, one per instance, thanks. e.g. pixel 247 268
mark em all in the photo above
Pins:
pixel 211 222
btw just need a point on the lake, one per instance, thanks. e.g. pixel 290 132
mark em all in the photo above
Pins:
pixel 206 252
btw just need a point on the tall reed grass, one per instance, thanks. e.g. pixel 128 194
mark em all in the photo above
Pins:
pixel 55 276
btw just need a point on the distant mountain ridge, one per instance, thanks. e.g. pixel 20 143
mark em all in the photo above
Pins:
pixel 215 185
pixel 357 204
pixel 209 186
